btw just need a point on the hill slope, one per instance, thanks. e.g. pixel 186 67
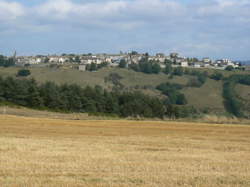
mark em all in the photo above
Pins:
pixel 206 98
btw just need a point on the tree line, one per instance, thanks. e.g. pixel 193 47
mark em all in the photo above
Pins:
pixel 6 62
pixel 73 98
pixel 231 100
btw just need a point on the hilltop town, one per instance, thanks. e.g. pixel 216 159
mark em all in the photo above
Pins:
pixel 112 60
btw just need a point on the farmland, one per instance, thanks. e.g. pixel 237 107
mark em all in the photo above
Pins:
pixel 55 152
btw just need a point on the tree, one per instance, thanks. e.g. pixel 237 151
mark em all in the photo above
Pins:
pixel 231 102
pixel 178 71
pixel 181 99
pixel 167 61
pixel 156 68
pixel 173 93
pixel 6 62
pixel 134 53
pixel 9 62
pixel 123 63
pixel 2 89
pixel 23 73
pixel 134 67
pixel 91 67
pixel 2 60
pixel 217 76
pixel 229 68
pixel 77 59
pixel 34 99
pixel 168 69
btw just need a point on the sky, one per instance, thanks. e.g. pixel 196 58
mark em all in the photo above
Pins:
pixel 194 28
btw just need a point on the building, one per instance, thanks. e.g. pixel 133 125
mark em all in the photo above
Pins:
pixel 53 59
pixel 207 60
pixel 184 64
pixel 160 55
pixel 82 67
pixel 62 60
pixel 198 64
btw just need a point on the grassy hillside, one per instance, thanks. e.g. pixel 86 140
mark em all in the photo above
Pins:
pixel 207 98
pixel 243 92
pixel 46 152
pixel 60 76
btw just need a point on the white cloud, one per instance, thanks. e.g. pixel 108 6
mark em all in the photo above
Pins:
pixel 65 9
pixel 10 10
pixel 126 13
pixel 166 21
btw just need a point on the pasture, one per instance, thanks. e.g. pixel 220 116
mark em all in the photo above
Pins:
pixel 56 152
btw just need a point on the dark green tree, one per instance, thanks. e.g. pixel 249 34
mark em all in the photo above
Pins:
pixel 123 63
pixel 23 73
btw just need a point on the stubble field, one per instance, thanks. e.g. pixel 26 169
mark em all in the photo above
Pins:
pixel 54 152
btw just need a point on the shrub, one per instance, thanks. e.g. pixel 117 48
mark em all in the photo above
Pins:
pixel 229 68
pixel 23 73
pixel 217 76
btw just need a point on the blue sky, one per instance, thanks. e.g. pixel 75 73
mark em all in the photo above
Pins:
pixel 201 28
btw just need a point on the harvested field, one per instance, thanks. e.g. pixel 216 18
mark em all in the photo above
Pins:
pixel 54 152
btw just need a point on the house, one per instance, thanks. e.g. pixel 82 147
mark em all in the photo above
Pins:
pixel 174 55
pixel 207 60
pixel 198 64
pixel 22 60
pixel 162 66
pixel 53 59
pixel 62 60
pixel 82 67
pixel 33 60
pixel 38 60
pixel 206 65
pixel 161 59
pixel 160 55
pixel 184 64
pixel 108 59
pixel 136 58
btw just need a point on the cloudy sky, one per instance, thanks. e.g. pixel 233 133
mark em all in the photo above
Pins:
pixel 215 28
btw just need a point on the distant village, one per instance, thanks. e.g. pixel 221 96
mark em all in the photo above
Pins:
pixel 112 60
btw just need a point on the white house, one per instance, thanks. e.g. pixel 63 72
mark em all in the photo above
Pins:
pixel 82 67
pixel 197 65
pixel 207 60
pixel 53 59
pixel 184 64
pixel 33 60
pixel 39 60
pixel 62 60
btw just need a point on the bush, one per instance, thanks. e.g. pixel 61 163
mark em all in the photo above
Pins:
pixel 23 73
pixel 168 69
pixel 232 104
pixel 123 64
pixel 229 68
pixel 6 62
pixel 217 76
pixel 172 91
pixel 179 71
